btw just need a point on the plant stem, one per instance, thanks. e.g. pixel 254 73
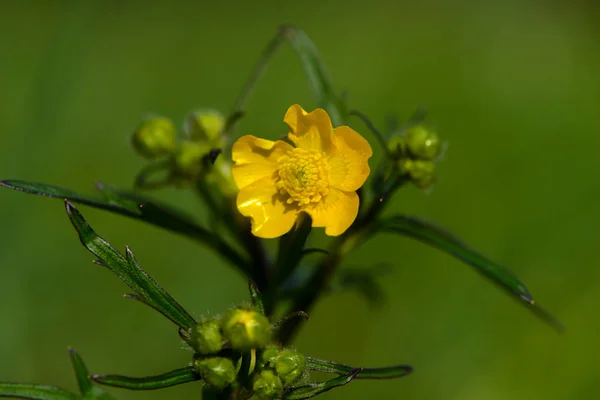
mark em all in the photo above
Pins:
pixel 255 75
pixel 325 271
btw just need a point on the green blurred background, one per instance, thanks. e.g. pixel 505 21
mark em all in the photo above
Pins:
pixel 513 86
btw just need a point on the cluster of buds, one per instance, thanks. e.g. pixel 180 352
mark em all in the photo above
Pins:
pixel 235 350
pixel 189 156
pixel 416 152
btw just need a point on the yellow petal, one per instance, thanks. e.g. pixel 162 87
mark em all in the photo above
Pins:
pixel 310 131
pixel 271 217
pixel 346 137
pixel 336 212
pixel 349 166
pixel 255 158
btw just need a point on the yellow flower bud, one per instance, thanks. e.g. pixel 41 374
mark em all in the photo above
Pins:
pixel 205 126
pixel 267 386
pixel 154 138
pixel 217 372
pixel 422 142
pixel 246 329
pixel 189 159
pixel 207 337
pixel 290 366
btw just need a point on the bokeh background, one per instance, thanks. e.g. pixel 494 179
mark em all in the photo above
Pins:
pixel 512 86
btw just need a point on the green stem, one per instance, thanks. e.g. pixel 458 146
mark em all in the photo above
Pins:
pixel 219 207
pixel 325 271
pixel 255 75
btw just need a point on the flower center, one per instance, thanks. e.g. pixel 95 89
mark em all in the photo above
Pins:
pixel 302 175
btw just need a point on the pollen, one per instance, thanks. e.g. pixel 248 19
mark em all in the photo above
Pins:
pixel 302 175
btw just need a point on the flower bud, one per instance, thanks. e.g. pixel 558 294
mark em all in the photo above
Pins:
pixel 269 357
pixel 396 146
pixel 217 372
pixel 205 126
pixel 290 366
pixel 422 172
pixel 422 142
pixel 154 138
pixel 207 337
pixel 246 328
pixel 189 159
pixel 267 386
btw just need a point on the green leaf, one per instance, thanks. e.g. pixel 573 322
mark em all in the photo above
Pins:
pixel 295 314
pixel 86 386
pixel 317 75
pixel 391 372
pixel 138 207
pixel 35 392
pixel 176 377
pixel 313 389
pixel 128 270
pixel 435 236
pixel 365 281
pixel 257 299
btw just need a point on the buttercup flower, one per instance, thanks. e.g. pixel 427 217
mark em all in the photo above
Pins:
pixel 319 175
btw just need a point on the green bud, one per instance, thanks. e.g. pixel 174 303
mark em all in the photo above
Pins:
pixel 266 386
pixel 154 138
pixel 396 146
pixel 189 159
pixel 207 337
pixel 422 142
pixel 246 328
pixel 269 356
pixel 205 126
pixel 421 172
pixel 217 372
pixel 221 176
pixel 290 366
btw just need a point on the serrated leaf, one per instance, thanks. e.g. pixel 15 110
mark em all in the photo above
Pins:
pixel 391 372
pixel 314 389
pixel 317 75
pixel 88 390
pixel 128 270
pixel 435 236
pixel 256 296
pixel 35 392
pixel 168 379
pixel 138 207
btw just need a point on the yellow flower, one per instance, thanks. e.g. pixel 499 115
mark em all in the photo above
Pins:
pixel 319 176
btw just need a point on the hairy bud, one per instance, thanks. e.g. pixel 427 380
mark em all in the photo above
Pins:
pixel 246 328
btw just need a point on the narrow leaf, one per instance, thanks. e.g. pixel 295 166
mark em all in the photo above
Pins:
pixel 81 372
pixel 129 271
pixel 138 207
pixel 435 236
pixel 295 314
pixel 176 377
pixel 313 389
pixel 317 75
pixel 86 387
pixel 391 372
pixel 257 299
pixel 35 392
